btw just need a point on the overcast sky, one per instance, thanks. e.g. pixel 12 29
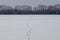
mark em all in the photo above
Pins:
pixel 29 2
pixel 14 27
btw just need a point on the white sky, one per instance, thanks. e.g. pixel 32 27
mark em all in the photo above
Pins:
pixel 29 2
pixel 44 27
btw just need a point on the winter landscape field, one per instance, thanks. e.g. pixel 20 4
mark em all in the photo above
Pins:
pixel 29 19
pixel 29 27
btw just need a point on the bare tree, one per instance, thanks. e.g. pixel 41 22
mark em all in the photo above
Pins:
pixel 24 8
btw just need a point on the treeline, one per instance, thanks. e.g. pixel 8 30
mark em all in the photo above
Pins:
pixel 25 9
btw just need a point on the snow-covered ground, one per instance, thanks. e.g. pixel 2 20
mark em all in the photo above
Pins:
pixel 43 27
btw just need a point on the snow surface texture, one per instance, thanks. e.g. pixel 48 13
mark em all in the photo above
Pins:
pixel 29 27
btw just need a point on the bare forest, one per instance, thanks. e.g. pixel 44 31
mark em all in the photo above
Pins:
pixel 26 9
